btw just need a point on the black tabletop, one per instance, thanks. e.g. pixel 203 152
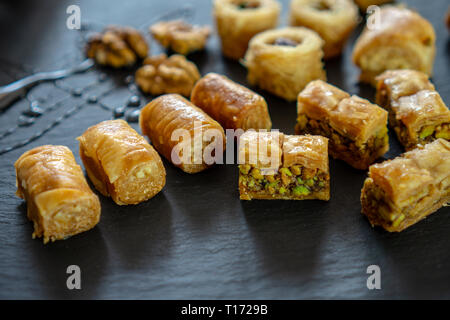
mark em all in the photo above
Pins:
pixel 196 239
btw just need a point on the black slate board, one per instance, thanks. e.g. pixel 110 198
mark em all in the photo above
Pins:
pixel 196 239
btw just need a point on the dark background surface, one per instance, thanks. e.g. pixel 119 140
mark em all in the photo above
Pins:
pixel 196 239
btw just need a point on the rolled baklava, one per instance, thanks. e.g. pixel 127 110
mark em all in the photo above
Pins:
pixel 333 20
pixel 121 163
pixel 416 111
pixel 284 61
pixel 232 105
pixel 277 166
pixel 183 133
pixel 59 200
pixel 364 4
pixel 238 21
pixel 397 38
pixel 400 192
pixel 357 129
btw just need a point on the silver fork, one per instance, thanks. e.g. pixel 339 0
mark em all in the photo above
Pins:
pixel 14 90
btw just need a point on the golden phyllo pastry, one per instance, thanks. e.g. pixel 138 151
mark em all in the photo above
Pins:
pixel 121 163
pixel 277 166
pixel 416 111
pixel 333 20
pixel 400 192
pixel 59 200
pixel 238 21
pixel 397 38
pixel 232 105
pixel 284 61
pixel 364 4
pixel 183 133
pixel 357 129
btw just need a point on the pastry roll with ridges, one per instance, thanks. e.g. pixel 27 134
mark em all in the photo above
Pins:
pixel 398 193
pixel 364 4
pixel 237 21
pixel 416 111
pixel 232 105
pixel 401 39
pixel 284 61
pixel 333 20
pixel 59 200
pixel 286 167
pixel 121 163
pixel 163 121
pixel 357 129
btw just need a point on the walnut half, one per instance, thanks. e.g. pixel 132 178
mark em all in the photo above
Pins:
pixel 161 74
pixel 117 46
pixel 180 36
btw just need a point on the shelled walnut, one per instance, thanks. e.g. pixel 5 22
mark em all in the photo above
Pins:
pixel 161 74
pixel 117 46
pixel 180 36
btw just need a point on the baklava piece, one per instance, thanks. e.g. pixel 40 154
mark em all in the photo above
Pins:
pixel 364 4
pixel 183 133
pixel 238 21
pixel 277 166
pixel 416 111
pixel 117 47
pixel 121 163
pixel 357 129
pixel 161 74
pixel 284 61
pixel 333 20
pixel 180 36
pixel 398 39
pixel 400 192
pixel 232 105
pixel 59 200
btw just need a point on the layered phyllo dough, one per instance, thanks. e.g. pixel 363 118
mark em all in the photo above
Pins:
pixel 59 200
pixel 183 133
pixel 357 129
pixel 397 38
pixel 232 105
pixel 400 192
pixel 416 111
pixel 277 166
pixel 121 163
pixel 284 61
pixel 238 21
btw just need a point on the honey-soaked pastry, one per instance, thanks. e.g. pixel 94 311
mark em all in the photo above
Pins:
pixel 59 200
pixel 333 20
pixel 161 74
pixel 398 193
pixel 121 163
pixel 277 166
pixel 232 105
pixel 364 4
pixel 180 36
pixel 357 129
pixel 117 46
pixel 416 111
pixel 284 61
pixel 398 38
pixel 238 21
pixel 183 133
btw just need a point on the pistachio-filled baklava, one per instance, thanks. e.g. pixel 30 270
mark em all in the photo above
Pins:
pixel 183 133
pixel 416 111
pixel 121 163
pixel 400 192
pixel 59 200
pixel 357 129
pixel 277 166
pixel 232 105
pixel 238 21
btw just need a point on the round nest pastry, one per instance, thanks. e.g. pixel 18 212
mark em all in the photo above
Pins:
pixel 333 20
pixel 284 61
pixel 238 21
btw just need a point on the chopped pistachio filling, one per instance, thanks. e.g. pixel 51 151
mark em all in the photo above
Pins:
pixel 294 181
pixel 432 132
pixel 250 4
